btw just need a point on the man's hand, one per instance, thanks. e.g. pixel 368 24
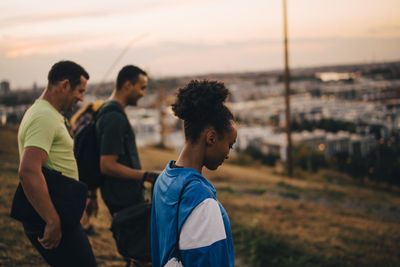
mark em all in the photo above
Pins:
pixel 52 235
pixel 35 189
pixel 150 177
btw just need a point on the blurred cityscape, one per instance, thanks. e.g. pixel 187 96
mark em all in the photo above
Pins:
pixel 342 114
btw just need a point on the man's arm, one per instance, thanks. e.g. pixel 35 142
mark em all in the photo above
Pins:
pixel 35 189
pixel 111 127
pixel 111 167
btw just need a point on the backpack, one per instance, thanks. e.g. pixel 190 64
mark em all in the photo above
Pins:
pixel 86 147
pixel 131 230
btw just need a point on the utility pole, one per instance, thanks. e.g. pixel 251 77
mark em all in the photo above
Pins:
pixel 162 114
pixel 287 95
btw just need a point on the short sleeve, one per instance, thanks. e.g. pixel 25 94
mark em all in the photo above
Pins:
pixel 203 227
pixel 40 133
pixel 111 127
pixel 203 238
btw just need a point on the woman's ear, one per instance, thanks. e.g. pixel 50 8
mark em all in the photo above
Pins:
pixel 211 137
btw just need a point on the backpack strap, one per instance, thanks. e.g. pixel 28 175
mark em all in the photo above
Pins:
pixel 178 253
pixel 102 110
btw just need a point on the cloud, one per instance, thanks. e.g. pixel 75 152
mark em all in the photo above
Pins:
pixel 104 11
pixel 49 17
pixel 41 45
pixel 179 58
pixel 389 30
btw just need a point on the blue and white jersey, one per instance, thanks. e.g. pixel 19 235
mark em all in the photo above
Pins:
pixel 205 231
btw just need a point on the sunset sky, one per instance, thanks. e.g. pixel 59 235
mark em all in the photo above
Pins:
pixel 178 37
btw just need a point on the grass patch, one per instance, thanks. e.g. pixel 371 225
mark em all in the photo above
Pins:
pixel 241 159
pixel 255 191
pixel 290 191
pixel 287 186
pixel 333 179
pixel 291 195
pixel 261 248
pixel 333 194
pixel 227 189
pixel 219 179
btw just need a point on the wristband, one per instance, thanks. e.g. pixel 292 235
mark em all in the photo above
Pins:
pixel 150 176
pixel 145 176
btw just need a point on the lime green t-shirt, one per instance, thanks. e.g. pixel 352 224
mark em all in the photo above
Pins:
pixel 43 126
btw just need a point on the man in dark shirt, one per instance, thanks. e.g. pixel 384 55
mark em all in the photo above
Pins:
pixel 119 159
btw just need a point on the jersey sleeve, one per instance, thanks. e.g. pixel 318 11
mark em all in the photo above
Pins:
pixel 111 133
pixel 40 133
pixel 203 240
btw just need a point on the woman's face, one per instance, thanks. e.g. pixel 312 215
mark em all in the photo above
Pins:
pixel 219 147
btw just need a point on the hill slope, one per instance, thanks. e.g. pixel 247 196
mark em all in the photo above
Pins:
pixel 317 220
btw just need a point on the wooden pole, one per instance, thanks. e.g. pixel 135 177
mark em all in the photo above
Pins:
pixel 287 94
pixel 161 110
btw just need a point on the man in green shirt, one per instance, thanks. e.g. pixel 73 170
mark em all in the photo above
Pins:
pixel 43 140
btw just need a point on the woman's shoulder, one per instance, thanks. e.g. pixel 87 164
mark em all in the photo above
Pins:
pixel 189 182
pixel 196 189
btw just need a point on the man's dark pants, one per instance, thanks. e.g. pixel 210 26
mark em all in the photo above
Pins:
pixel 73 250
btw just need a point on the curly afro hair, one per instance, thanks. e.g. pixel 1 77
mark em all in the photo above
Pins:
pixel 200 104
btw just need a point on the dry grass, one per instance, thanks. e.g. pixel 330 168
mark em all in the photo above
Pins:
pixel 325 214
pixel 339 219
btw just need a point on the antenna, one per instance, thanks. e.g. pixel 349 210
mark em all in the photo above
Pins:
pixel 130 44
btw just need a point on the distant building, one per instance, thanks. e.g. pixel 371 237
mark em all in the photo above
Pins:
pixel 4 87
pixel 270 142
pixel 340 142
pixel 146 125
pixel 3 119
pixel 264 138
pixel 3 115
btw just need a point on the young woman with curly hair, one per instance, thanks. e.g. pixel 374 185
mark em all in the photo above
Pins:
pixel 202 227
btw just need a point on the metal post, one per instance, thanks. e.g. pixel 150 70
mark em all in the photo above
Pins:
pixel 287 94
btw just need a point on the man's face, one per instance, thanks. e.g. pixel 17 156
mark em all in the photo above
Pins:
pixel 137 90
pixel 74 95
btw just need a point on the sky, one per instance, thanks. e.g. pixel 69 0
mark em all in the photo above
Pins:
pixel 183 37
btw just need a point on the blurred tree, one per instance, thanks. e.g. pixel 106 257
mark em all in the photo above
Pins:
pixel 308 158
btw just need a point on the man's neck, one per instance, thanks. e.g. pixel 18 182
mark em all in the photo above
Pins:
pixel 118 98
pixel 52 99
